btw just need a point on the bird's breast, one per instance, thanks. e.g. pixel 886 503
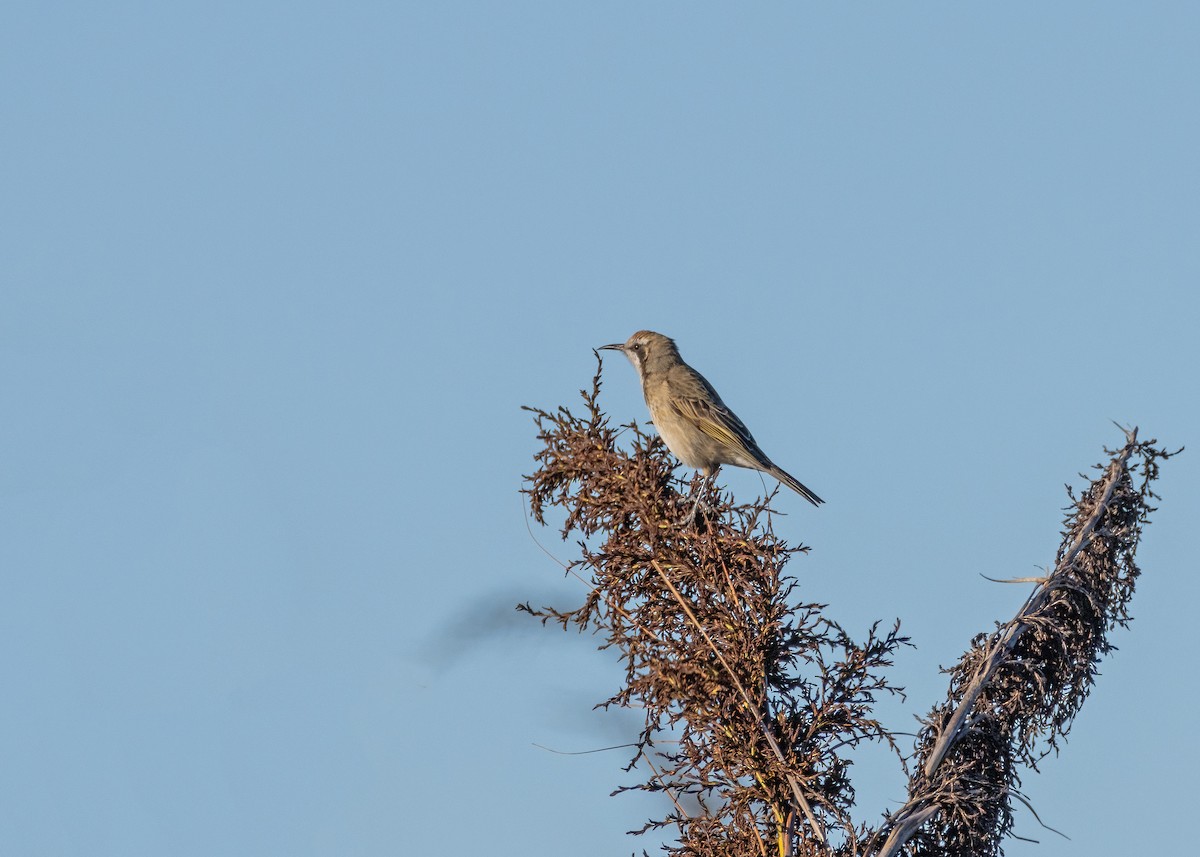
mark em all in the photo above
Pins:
pixel 685 440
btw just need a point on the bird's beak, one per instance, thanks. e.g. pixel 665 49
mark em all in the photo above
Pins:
pixel 619 346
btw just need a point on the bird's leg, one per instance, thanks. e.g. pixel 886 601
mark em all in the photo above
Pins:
pixel 691 516
pixel 699 492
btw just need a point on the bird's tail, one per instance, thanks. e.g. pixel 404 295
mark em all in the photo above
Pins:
pixel 795 484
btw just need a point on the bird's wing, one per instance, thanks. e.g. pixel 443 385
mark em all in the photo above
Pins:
pixel 716 421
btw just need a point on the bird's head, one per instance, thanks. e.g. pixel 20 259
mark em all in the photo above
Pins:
pixel 646 350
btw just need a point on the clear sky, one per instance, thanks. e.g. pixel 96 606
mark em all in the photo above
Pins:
pixel 276 279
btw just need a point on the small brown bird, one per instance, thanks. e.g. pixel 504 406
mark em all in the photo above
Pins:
pixel 693 421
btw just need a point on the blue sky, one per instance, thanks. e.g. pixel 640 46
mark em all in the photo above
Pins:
pixel 277 278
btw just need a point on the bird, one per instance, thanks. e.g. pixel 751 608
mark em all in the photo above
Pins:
pixel 696 425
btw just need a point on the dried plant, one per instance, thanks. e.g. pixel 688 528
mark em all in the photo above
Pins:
pixel 1017 690
pixel 752 698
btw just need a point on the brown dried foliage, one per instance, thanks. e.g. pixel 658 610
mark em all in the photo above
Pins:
pixel 752 698
pixel 1014 694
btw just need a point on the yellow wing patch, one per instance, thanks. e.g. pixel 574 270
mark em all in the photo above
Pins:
pixel 709 420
